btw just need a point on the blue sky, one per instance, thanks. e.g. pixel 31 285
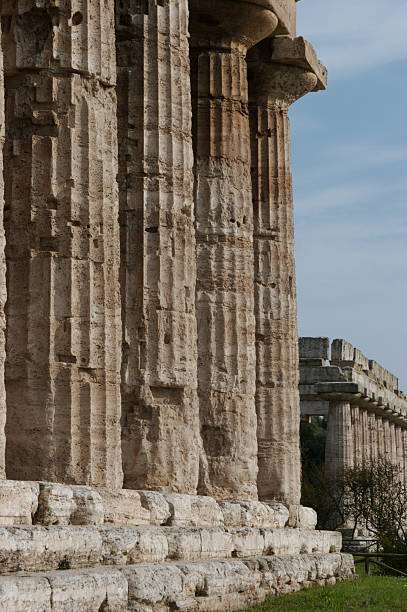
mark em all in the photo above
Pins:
pixel 350 179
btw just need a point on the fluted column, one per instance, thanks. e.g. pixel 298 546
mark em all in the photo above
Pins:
pixel 393 442
pixel 161 415
pixel 380 438
pixel 3 290
pixel 387 440
pixel 339 440
pixel 404 438
pixel 63 309
pixel 221 33
pixel 355 418
pixel 273 88
pixel 399 451
pixel 373 455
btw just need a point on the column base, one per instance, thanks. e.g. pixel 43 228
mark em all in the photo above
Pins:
pixel 94 549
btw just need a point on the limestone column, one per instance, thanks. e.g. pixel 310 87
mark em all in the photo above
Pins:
pixel 221 33
pixel 387 440
pixel 380 438
pixel 339 440
pixel 272 89
pixel 404 438
pixel 373 445
pixel 63 309
pixel 3 291
pixel 399 450
pixel 393 442
pixel 365 426
pixel 356 437
pixel 160 404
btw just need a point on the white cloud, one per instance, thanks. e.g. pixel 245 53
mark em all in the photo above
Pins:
pixel 355 35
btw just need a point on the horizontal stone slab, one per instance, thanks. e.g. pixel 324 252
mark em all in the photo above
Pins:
pixel 231 584
pixel 43 503
pixel 40 548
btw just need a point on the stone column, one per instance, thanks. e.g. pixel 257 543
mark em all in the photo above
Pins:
pixel 380 438
pixel 373 436
pixel 399 450
pixel 365 426
pixel 387 440
pixel 63 309
pixel 3 291
pixel 160 404
pixel 273 87
pixel 404 438
pixel 356 437
pixel 221 33
pixel 339 440
pixel 393 443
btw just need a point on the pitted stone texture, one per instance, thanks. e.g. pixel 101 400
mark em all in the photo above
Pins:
pixel 125 507
pixel 40 548
pixel 224 227
pixel 18 502
pixel 272 88
pixel 206 585
pixel 63 307
pixel 3 289
pixel 302 517
pixel 161 439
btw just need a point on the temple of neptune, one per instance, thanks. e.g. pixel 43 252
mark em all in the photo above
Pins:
pixel 149 403
pixel 365 410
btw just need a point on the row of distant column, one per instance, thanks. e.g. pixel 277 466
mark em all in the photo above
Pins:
pixel 356 435
pixel 202 343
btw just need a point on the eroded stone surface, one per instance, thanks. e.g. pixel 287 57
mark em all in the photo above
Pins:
pixel 206 585
pixel 161 440
pixel 3 289
pixel 63 308
pixel 272 89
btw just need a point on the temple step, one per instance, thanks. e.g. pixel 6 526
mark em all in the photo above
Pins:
pixel 39 548
pixel 227 584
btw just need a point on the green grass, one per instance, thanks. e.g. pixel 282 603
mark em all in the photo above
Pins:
pixel 373 594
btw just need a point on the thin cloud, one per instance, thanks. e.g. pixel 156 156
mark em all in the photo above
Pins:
pixel 355 35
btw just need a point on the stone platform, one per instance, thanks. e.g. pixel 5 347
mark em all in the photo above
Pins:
pixel 66 547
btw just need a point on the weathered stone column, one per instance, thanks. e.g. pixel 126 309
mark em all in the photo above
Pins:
pixel 339 440
pixel 380 438
pixel 373 443
pixel 273 87
pixel 365 425
pixel 161 414
pixel 404 438
pixel 221 33
pixel 387 440
pixel 399 450
pixel 63 309
pixel 3 290
pixel 355 419
pixel 393 443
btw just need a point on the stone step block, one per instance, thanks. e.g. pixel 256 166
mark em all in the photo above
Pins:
pixel 225 584
pixel 39 548
pixel 44 503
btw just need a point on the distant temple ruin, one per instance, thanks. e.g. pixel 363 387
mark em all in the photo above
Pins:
pixel 148 307
pixel 365 410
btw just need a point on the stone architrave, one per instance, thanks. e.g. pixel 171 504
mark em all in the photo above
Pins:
pixel 339 440
pixel 63 308
pixel 221 33
pixel 159 374
pixel 273 87
pixel 3 290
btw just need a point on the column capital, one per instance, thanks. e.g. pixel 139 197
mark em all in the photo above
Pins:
pixel 283 69
pixel 231 24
